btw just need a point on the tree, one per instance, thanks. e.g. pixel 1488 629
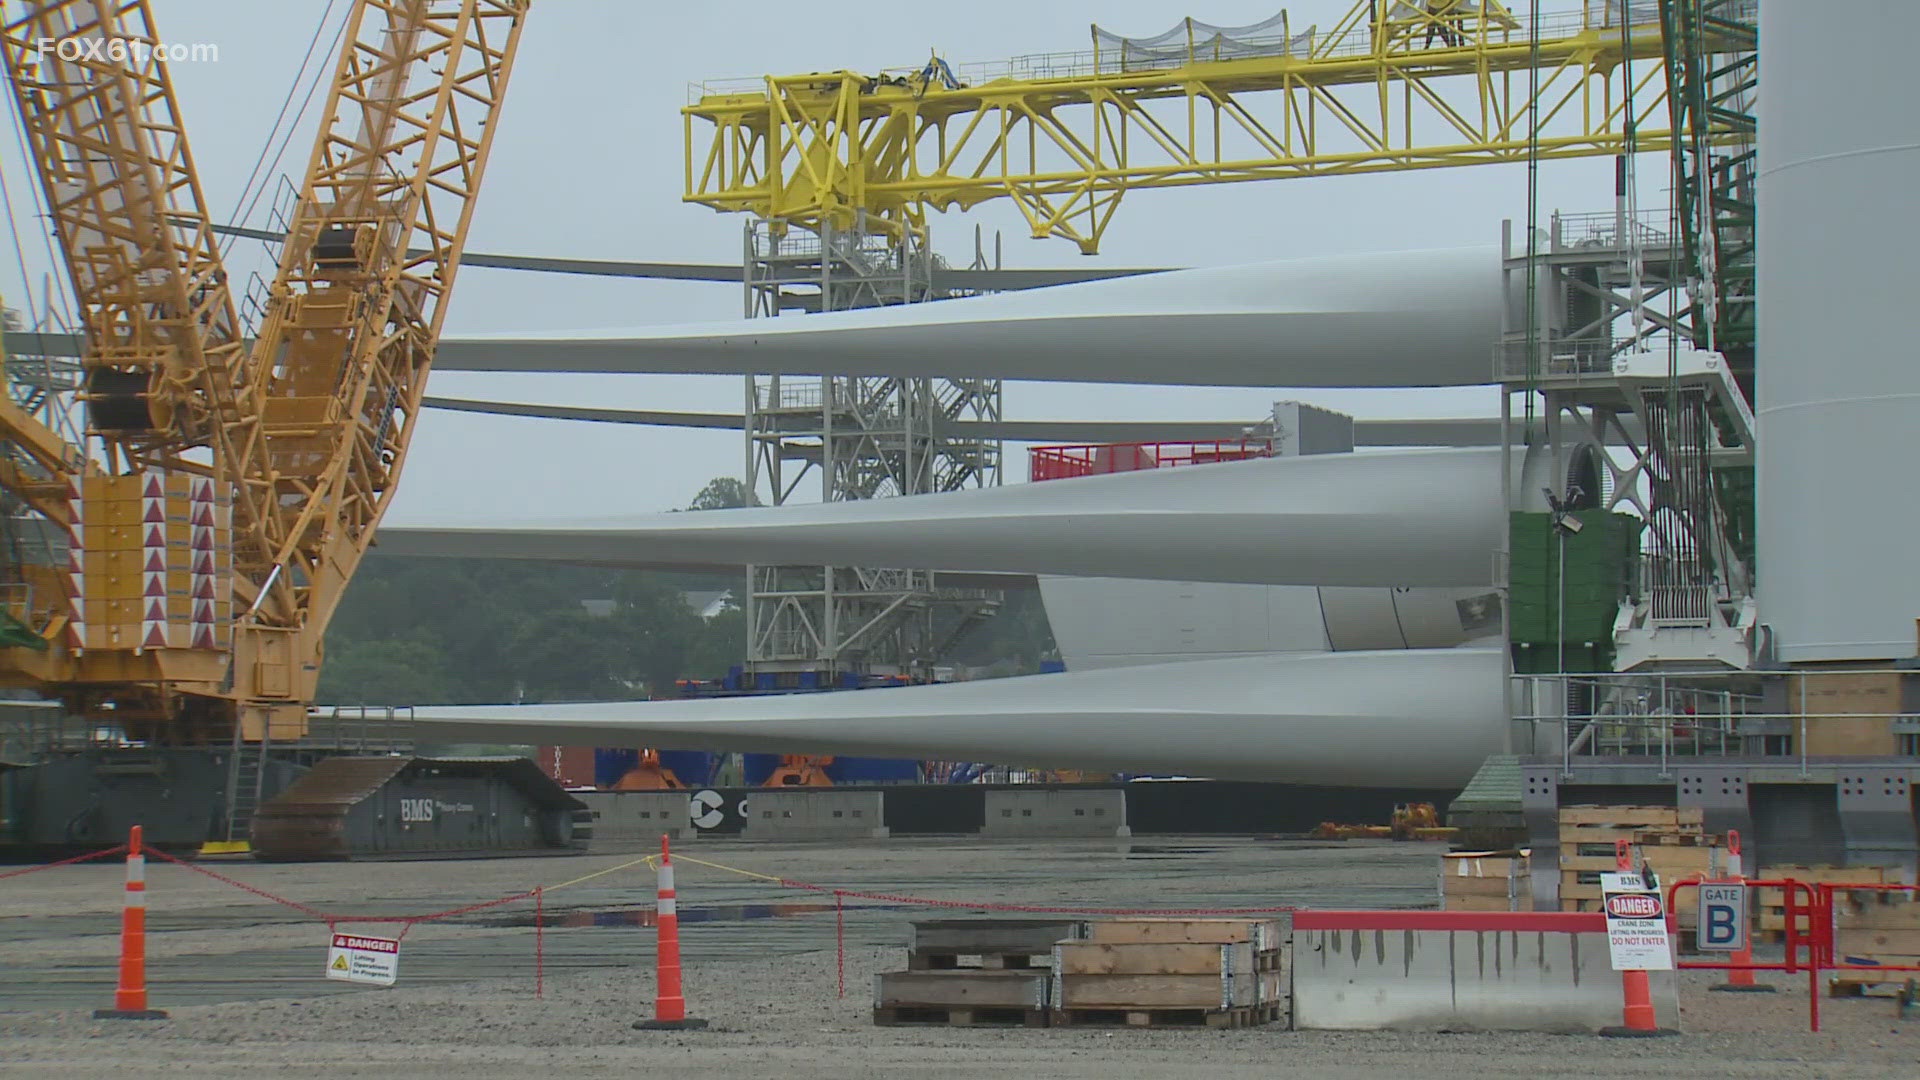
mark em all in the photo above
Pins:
pixel 409 671
pixel 722 493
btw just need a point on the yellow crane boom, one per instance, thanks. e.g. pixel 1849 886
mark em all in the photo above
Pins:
pixel 1395 85
pixel 238 486
pixel 354 314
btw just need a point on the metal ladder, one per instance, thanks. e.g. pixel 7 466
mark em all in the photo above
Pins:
pixel 246 772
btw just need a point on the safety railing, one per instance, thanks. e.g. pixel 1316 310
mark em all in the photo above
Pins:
pixel 1610 231
pixel 380 729
pixel 1547 358
pixel 1060 462
pixel 1677 717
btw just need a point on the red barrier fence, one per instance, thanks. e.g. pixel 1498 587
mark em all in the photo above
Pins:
pixel 1809 934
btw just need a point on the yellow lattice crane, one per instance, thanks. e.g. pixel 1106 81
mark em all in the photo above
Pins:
pixel 1394 85
pixel 232 487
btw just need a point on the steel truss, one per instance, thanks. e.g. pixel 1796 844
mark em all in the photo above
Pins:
pixel 863 438
pixel 1391 87
pixel 1619 385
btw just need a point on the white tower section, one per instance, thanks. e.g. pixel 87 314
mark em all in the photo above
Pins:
pixel 1839 368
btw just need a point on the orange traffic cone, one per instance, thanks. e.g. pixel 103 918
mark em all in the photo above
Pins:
pixel 669 1003
pixel 1741 980
pixel 1638 1020
pixel 130 998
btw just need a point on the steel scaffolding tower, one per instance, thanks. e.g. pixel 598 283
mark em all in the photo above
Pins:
pixel 1639 418
pixel 865 438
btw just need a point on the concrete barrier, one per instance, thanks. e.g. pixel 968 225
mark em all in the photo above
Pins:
pixel 1057 812
pixel 630 817
pixel 1461 971
pixel 817 814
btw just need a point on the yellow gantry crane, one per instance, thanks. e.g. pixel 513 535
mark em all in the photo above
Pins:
pixel 1394 85
pixel 233 486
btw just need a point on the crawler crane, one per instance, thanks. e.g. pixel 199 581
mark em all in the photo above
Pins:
pixel 226 488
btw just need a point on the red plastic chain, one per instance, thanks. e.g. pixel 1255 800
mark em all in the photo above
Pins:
pixel 244 887
pixel 88 857
pixel 404 921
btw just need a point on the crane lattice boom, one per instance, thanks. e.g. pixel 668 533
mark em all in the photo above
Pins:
pixel 239 484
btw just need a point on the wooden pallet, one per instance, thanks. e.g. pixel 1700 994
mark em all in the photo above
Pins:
pixel 1263 934
pixel 1870 983
pixel 990 994
pixel 1240 1017
pixel 1643 817
pixel 955 1016
pixel 920 960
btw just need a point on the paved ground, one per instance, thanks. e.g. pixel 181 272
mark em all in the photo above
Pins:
pixel 241 974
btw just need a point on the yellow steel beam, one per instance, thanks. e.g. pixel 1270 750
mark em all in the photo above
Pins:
pixel 355 310
pixel 1390 88
pixel 126 204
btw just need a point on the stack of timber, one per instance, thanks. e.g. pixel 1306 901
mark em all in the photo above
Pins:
pixel 1666 838
pixel 1872 927
pixel 1167 972
pixel 1773 923
pixel 975 973
pixel 1485 881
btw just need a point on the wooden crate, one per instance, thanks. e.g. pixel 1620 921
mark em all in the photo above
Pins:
pixel 1773 903
pixel 1184 958
pixel 1172 972
pixel 1580 874
pixel 1876 928
pixel 964 998
pixel 1264 934
pixel 1850 713
pixel 1485 881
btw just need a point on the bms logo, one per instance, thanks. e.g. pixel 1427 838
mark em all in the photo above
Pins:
pixel 416 809
pixel 1633 906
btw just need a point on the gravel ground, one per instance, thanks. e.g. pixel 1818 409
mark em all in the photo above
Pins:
pixel 240 976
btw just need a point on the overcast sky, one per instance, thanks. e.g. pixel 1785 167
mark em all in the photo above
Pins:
pixel 588 163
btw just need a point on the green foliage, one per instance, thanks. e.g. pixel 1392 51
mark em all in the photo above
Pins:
pixel 722 493
pixel 421 631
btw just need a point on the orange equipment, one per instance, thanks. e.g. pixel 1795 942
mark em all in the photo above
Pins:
pixel 800 770
pixel 649 775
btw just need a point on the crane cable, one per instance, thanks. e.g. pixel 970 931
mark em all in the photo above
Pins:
pixel 243 206
pixel 50 313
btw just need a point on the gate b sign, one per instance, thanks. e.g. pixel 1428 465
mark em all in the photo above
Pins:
pixel 1723 917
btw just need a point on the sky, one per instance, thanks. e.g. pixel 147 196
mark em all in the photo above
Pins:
pixel 587 163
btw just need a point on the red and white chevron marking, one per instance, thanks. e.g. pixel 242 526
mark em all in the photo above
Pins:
pixel 153 577
pixel 201 556
pixel 76 566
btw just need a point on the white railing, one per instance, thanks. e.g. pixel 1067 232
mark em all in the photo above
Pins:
pixel 1353 38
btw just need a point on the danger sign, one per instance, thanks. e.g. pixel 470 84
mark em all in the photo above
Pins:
pixel 1636 924
pixel 353 958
